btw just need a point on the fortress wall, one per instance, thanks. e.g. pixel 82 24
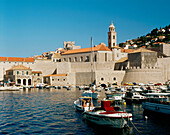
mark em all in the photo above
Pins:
pixel 86 66
pixel 164 64
pixel 143 76
pixel 84 78
pixel 109 77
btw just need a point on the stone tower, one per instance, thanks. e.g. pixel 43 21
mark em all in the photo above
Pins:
pixel 112 36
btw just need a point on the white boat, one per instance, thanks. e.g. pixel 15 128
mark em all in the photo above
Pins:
pixel 83 104
pixel 89 93
pixel 10 88
pixel 108 116
pixel 134 97
pixel 157 102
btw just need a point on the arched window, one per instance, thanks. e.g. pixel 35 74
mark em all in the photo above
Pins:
pixel 75 59
pixel 18 81
pixel 24 82
pixel 29 81
pixel 87 58
pixel 81 59
pixel 27 72
pixel 69 59
pixel 17 72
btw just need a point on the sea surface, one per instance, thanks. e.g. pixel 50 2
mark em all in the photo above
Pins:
pixel 51 111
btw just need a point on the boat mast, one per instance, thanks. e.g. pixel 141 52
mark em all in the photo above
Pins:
pixel 91 61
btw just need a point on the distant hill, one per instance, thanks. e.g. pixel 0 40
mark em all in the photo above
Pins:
pixel 152 39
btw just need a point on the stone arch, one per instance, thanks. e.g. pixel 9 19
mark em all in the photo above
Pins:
pixel 29 81
pixel 24 81
pixel 18 81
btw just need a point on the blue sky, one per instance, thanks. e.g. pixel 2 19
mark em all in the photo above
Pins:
pixel 31 27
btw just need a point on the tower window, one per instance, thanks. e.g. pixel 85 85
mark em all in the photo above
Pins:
pixel 113 37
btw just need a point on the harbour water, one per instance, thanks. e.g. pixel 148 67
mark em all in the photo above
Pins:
pixel 51 111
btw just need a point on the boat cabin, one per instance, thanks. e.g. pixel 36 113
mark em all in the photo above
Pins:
pixel 162 98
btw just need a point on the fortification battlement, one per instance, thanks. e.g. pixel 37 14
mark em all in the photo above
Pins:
pixel 141 68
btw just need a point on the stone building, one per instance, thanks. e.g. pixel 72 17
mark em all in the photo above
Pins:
pixel 20 74
pixel 37 77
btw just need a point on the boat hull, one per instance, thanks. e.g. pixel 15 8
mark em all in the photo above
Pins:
pixel 155 107
pixel 113 122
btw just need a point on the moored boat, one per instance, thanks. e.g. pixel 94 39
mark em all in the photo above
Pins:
pixel 84 104
pixel 108 116
pixel 89 93
pixel 157 102
pixel 134 97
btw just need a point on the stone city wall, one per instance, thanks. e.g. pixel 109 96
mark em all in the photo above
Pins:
pixel 143 76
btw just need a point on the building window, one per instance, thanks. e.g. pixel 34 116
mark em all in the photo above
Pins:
pixel 52 79
pixel 22 72
pixel 81 59
pixel 75 59
pixel 95 58
pixel 114 78
pixel 27 72
pixel 102 79
pixel 113 37
pixel 87 58
pixel 17 72
pixel 113 44
pixel 64 59
pixel 69 59
pixel 64 79
pixel 38 74
pixel 105 56
pixel 58 79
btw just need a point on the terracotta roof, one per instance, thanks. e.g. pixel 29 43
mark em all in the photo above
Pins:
pixel 127 50
pixel 19 67
pixel 17 59
pixel 142 50
pixel 122 60
pixel 55 75
pixel 36 72
pixel 83 50
pixel 2 58
pixel 29 59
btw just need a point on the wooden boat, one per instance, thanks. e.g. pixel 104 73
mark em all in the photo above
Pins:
pixel 108 116
pixel 84 104
pixel 157 102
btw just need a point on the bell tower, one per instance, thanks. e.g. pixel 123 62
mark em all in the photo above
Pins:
pixel 112 36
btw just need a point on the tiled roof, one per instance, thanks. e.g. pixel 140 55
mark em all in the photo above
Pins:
pixel 122 60
pixel 127 50
pixel 34 72
pixel 83 50
pixel 16 59
pixel 142 50
pixel 19 67
pixel 55 75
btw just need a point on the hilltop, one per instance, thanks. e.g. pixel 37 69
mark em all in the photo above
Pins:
pixel 152 39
